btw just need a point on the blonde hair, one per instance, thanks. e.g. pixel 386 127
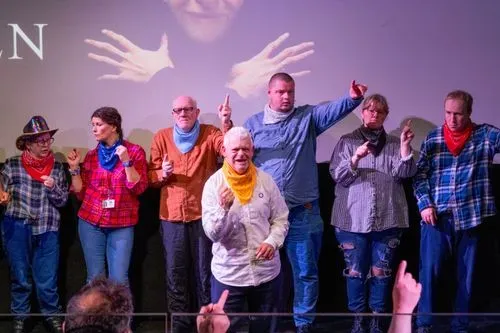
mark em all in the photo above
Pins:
pixel 377 99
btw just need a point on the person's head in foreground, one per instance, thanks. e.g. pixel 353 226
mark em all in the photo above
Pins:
pixel 101 306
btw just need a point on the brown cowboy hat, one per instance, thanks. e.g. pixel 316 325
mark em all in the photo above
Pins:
pixel 36 126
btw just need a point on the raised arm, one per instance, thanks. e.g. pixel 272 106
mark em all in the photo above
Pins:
pixel 404 166
pixel 327 114
pixel 136 171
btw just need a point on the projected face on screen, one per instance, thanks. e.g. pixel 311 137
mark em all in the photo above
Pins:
pixel 205 20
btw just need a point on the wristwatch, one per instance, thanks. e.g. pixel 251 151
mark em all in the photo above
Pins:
pixel 127 164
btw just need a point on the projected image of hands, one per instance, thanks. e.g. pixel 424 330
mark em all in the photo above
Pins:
pixel 135 64
pixel 249 77
pixel 203 22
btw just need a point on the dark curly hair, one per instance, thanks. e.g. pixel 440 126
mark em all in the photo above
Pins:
pixel 102 304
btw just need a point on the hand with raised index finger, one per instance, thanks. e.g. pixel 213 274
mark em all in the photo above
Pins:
pixel 225 111
pixel 212 318
pixel 357 90
pixel 136 64
pixel 407 136
pixel 363 150
pixel 406 291
pixel 220 322
pixel 249 77
pixel 73 159
pixel 167 167
pixel 360 153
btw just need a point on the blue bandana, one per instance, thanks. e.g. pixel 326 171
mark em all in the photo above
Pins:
pixel 107 156
pixel 185 141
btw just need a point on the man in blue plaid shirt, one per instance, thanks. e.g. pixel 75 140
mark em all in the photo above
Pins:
pixel 454 195
pixel 34 187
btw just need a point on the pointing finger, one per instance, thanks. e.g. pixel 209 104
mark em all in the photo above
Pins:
pixel 401 271
pixel 226 100
pixel 223 298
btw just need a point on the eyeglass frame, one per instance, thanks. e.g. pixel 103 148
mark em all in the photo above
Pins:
pixel 373 111
pixel 44 142
pixel 186 109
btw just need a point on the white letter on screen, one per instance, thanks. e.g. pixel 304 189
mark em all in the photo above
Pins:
pixel 17 31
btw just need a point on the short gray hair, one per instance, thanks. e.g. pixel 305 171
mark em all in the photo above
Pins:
pixel 237 132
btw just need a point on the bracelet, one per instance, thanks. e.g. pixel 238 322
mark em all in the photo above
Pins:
pixel 75 172
pixel 127 164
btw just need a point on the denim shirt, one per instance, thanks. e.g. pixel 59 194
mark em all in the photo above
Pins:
pixel 287 149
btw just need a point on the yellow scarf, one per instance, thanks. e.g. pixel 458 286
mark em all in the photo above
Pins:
pixel 241 185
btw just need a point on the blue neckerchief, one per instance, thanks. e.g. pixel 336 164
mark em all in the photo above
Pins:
pixel 185 141
pixel 107 156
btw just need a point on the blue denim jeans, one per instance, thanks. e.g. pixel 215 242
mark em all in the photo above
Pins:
pixel 446 254
pixel 362 253
pixel 31 257
pixel 106 245
pixel 303 246
pixel 260 299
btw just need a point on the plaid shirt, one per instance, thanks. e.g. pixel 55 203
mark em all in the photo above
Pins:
pixel 32 201
pixel 100 184
pixel 458 185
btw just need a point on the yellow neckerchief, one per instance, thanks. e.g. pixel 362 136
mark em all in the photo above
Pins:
pixel 242 185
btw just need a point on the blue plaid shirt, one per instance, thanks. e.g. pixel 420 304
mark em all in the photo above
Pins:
pixel 32 201
pixel 458 185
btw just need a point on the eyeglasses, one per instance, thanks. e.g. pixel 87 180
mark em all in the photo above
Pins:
pixel 373 111
pixel 186 109
pixel 44 142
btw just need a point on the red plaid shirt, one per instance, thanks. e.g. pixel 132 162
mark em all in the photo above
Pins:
pixel 100 184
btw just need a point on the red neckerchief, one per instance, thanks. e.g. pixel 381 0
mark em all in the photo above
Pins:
pixel 37 168
pixel 456 140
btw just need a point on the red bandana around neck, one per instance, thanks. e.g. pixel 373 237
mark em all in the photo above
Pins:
pixel 37 168
pixel 456 140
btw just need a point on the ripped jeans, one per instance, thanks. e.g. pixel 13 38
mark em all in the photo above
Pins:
pixel 369 258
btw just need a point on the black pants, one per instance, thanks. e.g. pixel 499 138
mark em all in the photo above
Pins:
pixel 188 253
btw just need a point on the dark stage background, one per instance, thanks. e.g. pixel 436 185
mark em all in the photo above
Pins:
pixel 147 268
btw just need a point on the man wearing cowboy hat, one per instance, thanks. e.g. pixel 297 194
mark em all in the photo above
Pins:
pixel 36 187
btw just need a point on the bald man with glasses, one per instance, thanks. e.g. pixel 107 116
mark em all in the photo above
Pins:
pixel 183 157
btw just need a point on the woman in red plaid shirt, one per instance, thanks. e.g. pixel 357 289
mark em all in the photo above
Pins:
pixel 109 182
